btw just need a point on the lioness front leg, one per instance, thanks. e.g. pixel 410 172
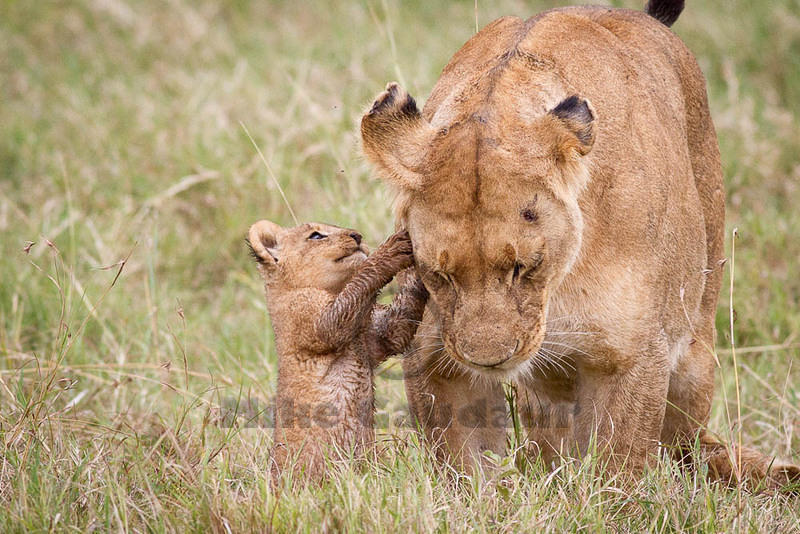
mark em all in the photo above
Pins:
pixel 622 410
pixel 460 416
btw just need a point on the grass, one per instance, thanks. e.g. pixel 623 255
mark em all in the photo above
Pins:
pixel 120 139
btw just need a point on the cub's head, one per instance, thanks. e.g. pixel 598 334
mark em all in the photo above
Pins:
pixel 312 255
pixel 488 191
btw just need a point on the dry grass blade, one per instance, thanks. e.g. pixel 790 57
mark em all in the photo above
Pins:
pixel 271 174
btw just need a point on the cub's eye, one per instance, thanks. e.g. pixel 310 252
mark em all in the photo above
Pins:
pixel 317 235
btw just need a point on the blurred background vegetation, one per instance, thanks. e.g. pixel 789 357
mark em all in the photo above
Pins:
pixel 120 138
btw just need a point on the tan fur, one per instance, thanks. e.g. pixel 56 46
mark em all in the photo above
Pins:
pixel 330 335
pixel 572 245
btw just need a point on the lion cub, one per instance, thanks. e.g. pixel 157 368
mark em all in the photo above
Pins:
pixel 321 287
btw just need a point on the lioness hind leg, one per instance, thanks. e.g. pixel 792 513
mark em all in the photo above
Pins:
pixel 691 389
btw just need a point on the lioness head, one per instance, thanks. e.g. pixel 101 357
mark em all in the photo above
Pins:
pixel 312 255
pixel 490 201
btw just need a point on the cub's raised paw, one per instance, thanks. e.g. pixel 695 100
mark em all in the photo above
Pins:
pixel 399 243
pixel 399 250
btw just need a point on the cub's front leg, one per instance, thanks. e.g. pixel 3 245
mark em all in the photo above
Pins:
pixel 393 327
pixel 342 320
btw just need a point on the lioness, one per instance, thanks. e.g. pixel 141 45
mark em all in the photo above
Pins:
pixel 563 191
pixel 330 335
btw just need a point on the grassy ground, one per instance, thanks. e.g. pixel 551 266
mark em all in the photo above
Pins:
pixel 120 140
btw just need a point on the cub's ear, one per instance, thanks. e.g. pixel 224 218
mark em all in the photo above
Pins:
pixel 396 137
pixel 577 116
pixel 263 241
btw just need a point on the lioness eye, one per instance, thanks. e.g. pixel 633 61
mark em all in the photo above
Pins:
pixel 529 215
pixel 517 269
pixel 529 212
pixel 317 235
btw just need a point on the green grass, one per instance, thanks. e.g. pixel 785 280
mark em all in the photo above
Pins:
pixel 120 138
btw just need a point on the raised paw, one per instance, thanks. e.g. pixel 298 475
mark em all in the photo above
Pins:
pixel 399 243
pixel 398 249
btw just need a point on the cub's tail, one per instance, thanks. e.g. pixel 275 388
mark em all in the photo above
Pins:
pixel 667 11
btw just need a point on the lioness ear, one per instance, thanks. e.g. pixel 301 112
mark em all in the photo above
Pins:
pixel 577 116
pixel 395 137
pixel 263 241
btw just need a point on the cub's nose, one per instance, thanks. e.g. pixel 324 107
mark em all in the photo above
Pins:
pixel 356 237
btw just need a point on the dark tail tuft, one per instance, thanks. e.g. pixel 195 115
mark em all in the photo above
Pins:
pixel 667 11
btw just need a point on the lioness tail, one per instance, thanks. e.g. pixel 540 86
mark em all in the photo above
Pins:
pixel 667 11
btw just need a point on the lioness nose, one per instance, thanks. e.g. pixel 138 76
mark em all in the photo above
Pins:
pixel 356 236
pixel 484 356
